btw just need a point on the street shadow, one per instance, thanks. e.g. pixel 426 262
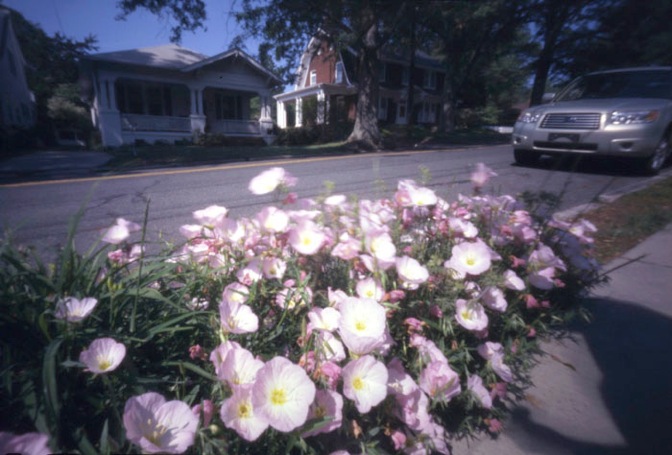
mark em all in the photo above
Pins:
pixel 631 345
pixel 586 164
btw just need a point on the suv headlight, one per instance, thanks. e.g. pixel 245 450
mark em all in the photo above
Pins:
pixel 633 117
pixel 529 117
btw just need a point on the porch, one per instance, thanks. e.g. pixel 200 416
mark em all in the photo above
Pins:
pixel 157 111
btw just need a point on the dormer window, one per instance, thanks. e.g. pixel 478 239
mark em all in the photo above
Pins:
pixel 338 75
pixel 313 77
pixel 429 79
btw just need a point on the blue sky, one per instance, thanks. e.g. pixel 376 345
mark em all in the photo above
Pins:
pixel 79 18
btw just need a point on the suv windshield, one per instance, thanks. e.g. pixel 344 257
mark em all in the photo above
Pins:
pixel 622 84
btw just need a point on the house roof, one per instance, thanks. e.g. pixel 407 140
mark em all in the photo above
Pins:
pixel 174 57
pixel 169 56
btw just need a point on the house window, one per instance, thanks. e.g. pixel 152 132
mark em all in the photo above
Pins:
pixel 144 98
pixel 338 76
pixel 405 76
pixel 382 108
pixel 382 73
pixel 313 77
pixel 228 107
pixel 429 79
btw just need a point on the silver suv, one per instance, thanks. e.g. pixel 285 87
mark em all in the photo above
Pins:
pixel 623 113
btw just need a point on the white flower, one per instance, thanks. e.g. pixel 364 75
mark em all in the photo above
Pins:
pixel 365 382
pixel 471 258
pixel 411 272
pixel 74 310
pixel 470 315
pixel 103 355
pixel 362 325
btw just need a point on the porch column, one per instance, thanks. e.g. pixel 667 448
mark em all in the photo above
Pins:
pixel 109 118
pixel 197 118
pixel 282 114
pixel 299 113
pixel 321 108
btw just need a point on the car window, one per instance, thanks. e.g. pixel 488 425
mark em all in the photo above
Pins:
pixel 633 84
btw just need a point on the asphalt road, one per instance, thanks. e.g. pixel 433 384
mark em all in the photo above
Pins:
pixel 39 214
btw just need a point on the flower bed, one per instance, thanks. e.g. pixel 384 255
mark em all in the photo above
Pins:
pixel 329 325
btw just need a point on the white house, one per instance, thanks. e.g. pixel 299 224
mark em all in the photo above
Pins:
pixel 17 102
pixel 168 93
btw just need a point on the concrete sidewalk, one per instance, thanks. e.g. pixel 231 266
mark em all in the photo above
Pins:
pixel 52 165
pixel 617 398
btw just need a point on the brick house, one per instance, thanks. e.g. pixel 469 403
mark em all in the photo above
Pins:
pixel 326 88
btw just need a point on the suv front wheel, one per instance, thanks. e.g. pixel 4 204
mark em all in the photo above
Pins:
pixel 654 163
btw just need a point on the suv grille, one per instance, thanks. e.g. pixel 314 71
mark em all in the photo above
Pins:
pixel 572 121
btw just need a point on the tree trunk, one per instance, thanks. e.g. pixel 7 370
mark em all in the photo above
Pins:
pixel 449 108
pixel 366 134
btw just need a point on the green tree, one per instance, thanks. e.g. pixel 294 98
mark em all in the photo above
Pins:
pixel 471 37
pixel 52 61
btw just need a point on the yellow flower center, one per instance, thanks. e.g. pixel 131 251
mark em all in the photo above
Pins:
pixel 357 383
pixel 278 397
pixel 466 314
pixel 360 325
pixel 244 411
pixel 103 363
pixel 470 260
pixel 320 411
pixel 157 431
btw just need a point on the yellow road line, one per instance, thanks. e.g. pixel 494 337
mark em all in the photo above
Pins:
pixel 219 167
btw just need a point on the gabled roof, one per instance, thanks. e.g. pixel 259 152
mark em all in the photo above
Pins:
pixel 174 57
pixel 169 56
pixel 6 30
pixel 234 53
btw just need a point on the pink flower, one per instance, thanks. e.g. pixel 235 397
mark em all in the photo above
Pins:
pixel 103 355
pixel 212 216
pixel 481 175
pixel 365 382
pixel 439 381
pixel 475 386
pixel 269 180
pixel 273 219
pixel 398 439
pixel 218 355
pixel 238 413
pixel 74 310
pixel 494 425
pixel 197 352
pixel 159 426
pixel 27 443
pixel 411 273
pixel 329 404
pixel 362 325
pixel 493 298
pixel 282 394
pixel 207 409
pixel 330 372
pixel 237 318
pixel 306 238
pixel 370 288
pixel 470 258
pixel 119 231
pixel 239 368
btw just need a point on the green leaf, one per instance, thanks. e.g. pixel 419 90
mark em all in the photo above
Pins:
pixel 50 384
pixel 190 366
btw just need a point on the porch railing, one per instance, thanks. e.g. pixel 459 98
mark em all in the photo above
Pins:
pixel 136 122
pixel 235 127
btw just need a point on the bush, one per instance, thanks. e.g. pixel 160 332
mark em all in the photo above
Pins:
pixel 374 326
